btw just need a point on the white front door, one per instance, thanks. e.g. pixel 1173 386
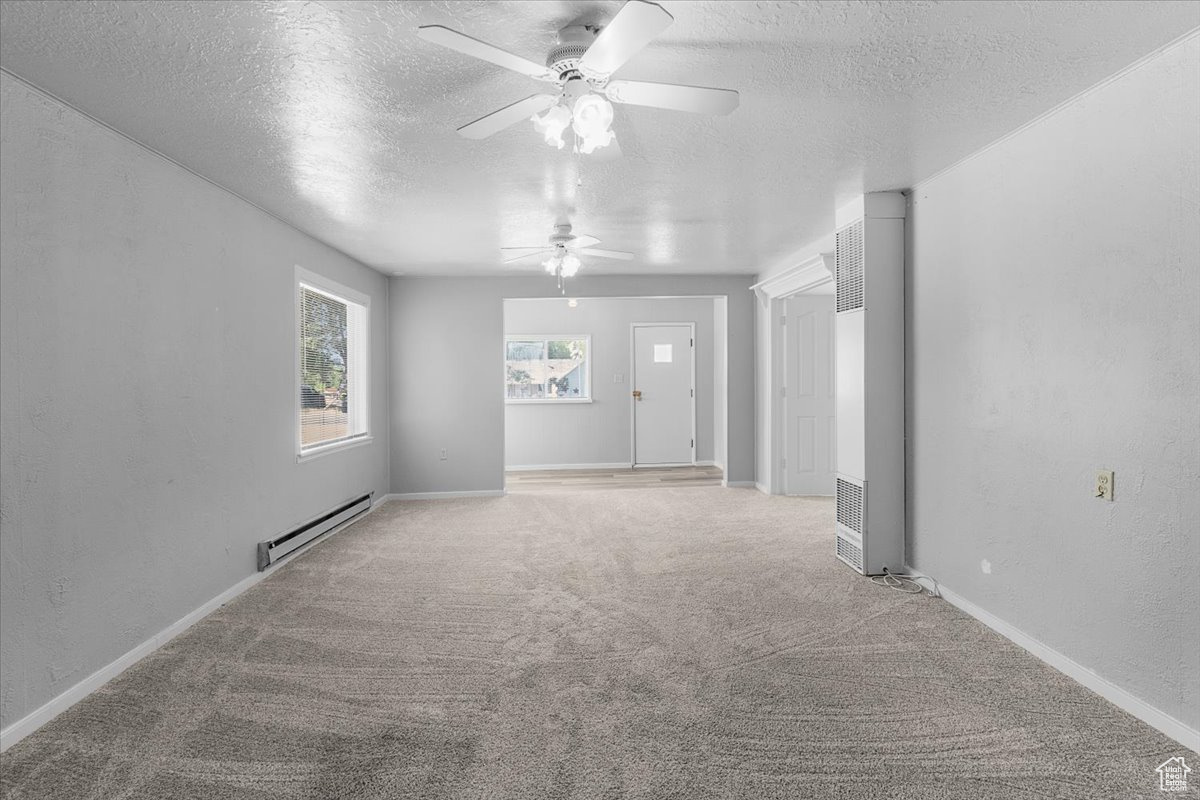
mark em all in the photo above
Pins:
pixel 809 395
pixel 663 388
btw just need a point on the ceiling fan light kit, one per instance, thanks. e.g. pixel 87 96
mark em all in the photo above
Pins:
pixel 591 119
pixel 552 124
pixel 580 66
pixel 563 265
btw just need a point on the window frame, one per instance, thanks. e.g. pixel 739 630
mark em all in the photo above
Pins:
pixel 552 337
pixel 305 278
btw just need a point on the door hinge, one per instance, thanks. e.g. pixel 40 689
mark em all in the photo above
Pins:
pixel 783 320
pixel 783 464
pixel 783 391
pixel 691 342
pixel 693 392
pixel 693 444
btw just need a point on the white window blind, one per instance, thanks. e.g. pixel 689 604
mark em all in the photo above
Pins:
pixel 333 363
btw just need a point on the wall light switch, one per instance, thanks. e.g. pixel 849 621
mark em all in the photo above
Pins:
pixel 443 454
pixel 1104 484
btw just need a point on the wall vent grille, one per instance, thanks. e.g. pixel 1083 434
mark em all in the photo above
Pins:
pixel 848 267
pixel 849 552
pixel 849 504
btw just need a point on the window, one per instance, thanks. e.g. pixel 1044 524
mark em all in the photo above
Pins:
pixel 547 369
pixel 332 363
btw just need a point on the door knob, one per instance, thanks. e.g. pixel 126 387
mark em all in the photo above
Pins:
pixel 637 394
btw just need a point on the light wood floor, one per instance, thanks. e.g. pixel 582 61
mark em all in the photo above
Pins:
pixel 641 478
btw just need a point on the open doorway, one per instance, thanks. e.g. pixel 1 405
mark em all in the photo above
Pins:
pixel 796 441
pixel 571 370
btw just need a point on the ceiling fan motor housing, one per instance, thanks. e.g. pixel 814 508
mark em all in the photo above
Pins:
pixel 561 236
pixel 573 42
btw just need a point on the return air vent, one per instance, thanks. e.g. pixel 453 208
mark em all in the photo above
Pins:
pixel 849 552
pixel 271 551
pixel 850 505
pixel 848 264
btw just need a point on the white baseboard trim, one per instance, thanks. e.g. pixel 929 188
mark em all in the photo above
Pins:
pixel 738 484
pixel 1159 720
pixel 538 467
pixel 707 464
pixel 762 487
pixel 43 714
pixel 445 495
pixel 47 711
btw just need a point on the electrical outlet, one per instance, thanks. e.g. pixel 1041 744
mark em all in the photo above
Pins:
pixel 1104 484
pixel 443 454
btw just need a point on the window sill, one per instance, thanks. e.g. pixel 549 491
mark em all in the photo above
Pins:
pixel 336 447
pixel 571 401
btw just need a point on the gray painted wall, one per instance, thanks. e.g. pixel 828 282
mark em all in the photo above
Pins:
pixel 147 408
pixel 599 432
pixel 766 449
pixel 720 381
pixel 444 328
pixel 1053 330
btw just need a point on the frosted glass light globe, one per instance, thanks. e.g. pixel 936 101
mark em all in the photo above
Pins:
pixel 552 124
pixel 570 265
pixel 591 119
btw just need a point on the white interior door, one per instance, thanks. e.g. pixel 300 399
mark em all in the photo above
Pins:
pixel 809 408
pixel 663 394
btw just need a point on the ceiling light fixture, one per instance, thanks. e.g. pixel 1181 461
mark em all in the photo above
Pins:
pixel 552 124
pixel 570 265
pixel 561 252
pixel 562 265
pixel 591 120
pixel 579 69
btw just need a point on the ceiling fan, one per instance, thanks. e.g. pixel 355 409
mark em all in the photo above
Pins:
pixel 564 249
pixel 580 67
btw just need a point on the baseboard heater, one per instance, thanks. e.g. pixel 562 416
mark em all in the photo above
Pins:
pixel 274 549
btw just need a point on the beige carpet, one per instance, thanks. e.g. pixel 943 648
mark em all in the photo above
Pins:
pixel 679 643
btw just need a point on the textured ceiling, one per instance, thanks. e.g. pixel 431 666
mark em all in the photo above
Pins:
pixel 337 118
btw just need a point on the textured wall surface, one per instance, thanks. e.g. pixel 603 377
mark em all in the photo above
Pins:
pixel 1053 330
pixel 336 117
pixel 599 432
pixel 720 381
pixel 147 408
pixel 764 447
pixel 443 329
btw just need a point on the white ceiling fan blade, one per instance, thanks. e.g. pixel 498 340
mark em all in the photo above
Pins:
pixel 696 99
pixel 528 255
pixel 519 258
pixel 538 247
pixel 630 30
pixel 471 46
pixel 607 254
pixel 509 115
pixel 582 241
